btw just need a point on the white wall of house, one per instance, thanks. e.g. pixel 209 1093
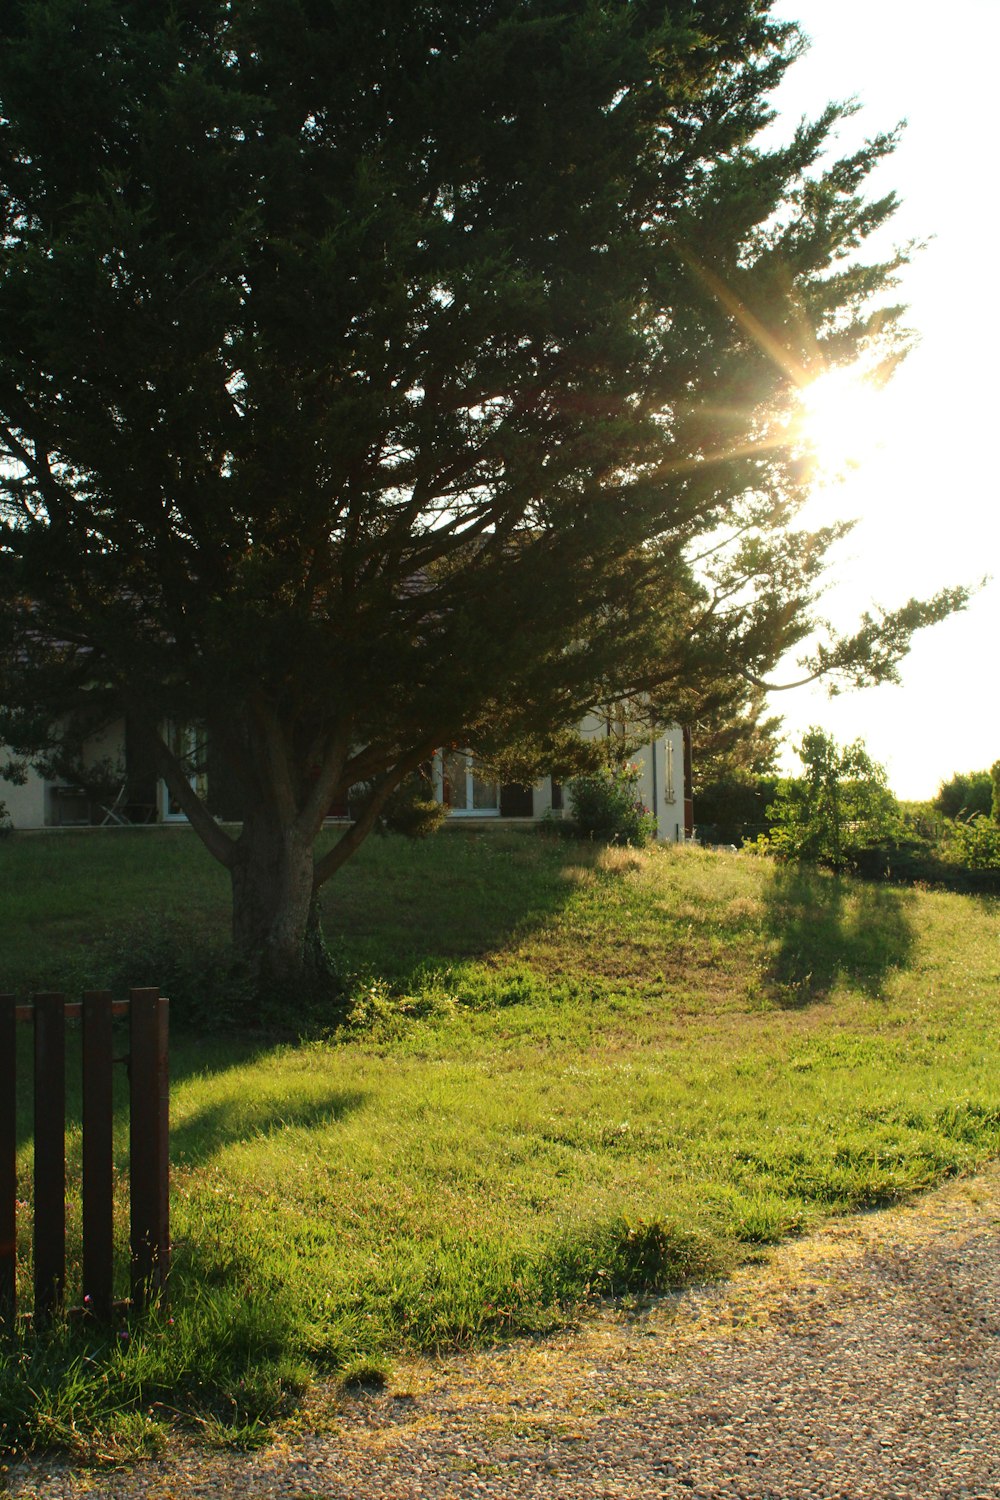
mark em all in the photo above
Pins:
pixel 661 773
pixel 26 805
pixel 660 784
pixel 42 804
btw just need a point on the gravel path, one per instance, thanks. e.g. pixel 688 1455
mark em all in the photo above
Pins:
pixel 861 1362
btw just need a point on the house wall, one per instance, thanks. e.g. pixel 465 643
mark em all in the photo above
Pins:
pixel 108 746
pixel 660 784
pixel 26 805
pixel 40 804
pixel 661 774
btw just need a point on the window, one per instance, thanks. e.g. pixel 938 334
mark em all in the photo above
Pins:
pixel 187 743
pixel 462 791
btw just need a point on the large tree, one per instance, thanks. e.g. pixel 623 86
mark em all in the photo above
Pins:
pixel 372 378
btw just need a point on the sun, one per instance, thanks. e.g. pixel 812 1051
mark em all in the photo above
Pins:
pixel 840 421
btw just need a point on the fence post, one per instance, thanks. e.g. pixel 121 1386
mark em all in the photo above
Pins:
pixel 8 1159
pixel 149 1151
pixel 98 1183
pixel 50 1154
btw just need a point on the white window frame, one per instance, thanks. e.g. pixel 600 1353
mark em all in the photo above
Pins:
pixel 193 736
pixel 468 811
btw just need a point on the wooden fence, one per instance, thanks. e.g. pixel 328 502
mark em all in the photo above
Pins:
pixel 146 1061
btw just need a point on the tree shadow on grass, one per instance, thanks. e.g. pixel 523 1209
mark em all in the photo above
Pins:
pixel 200 1135
pixel 405 905
pixel 828 930
pixel 196 1135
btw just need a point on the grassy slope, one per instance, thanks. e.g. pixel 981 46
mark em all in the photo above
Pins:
pixel 571 1072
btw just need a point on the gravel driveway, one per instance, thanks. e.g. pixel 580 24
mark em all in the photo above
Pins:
pixel 861 1362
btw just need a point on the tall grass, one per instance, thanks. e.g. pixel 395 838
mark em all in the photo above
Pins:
pixel 563 1073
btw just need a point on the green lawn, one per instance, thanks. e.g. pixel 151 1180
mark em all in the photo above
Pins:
pixel 565 1072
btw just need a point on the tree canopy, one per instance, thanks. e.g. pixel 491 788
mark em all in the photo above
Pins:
pixel 964 794
pixel 380 377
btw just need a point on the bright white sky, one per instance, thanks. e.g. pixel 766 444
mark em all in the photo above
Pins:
pixel 927 498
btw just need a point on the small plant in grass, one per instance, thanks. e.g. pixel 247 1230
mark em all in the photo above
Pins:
pixel 206 989
pixel 606 807
pixel 223 1360
pixel 206 986
pixel 365 1374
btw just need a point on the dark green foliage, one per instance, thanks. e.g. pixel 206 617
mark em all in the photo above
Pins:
pixel 207 990
pixel 411 810
pixel 736 742
pixel 932 850
pixel 734 808
pixel 965 794
pixel 368 376
pixel 606 807
pixel 914 862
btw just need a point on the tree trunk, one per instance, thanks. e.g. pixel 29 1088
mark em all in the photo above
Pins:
pixel 275 921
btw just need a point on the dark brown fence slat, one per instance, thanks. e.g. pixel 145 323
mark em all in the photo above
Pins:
pixel 50 1154
pixel 73 1010
pixel 149 1149
pixel 149 1144
pixel 98 1184
pixel 8 1159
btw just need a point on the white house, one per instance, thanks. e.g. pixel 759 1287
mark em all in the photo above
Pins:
pixel 141 797
pixel 663 785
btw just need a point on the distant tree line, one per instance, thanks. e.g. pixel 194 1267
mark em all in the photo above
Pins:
pixel 970 792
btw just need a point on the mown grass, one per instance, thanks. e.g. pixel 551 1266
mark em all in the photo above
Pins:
pixel 564 1073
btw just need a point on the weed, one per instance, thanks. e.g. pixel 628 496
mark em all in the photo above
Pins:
pixel 365 1374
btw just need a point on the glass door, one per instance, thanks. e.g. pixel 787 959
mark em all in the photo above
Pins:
pixel 187 743
pixel 465 793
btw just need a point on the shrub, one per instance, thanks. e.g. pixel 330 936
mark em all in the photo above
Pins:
pixel 976 843
pixel 734 803
pixel 606 807
pixel 839 808
pixel 923 824
pixel 412 810
pixel 734 809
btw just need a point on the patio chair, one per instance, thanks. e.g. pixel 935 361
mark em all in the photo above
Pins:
pixel 114 814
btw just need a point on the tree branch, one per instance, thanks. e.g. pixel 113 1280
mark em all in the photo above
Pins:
pixel 313 810
pixel 216 840
pixel 359 830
